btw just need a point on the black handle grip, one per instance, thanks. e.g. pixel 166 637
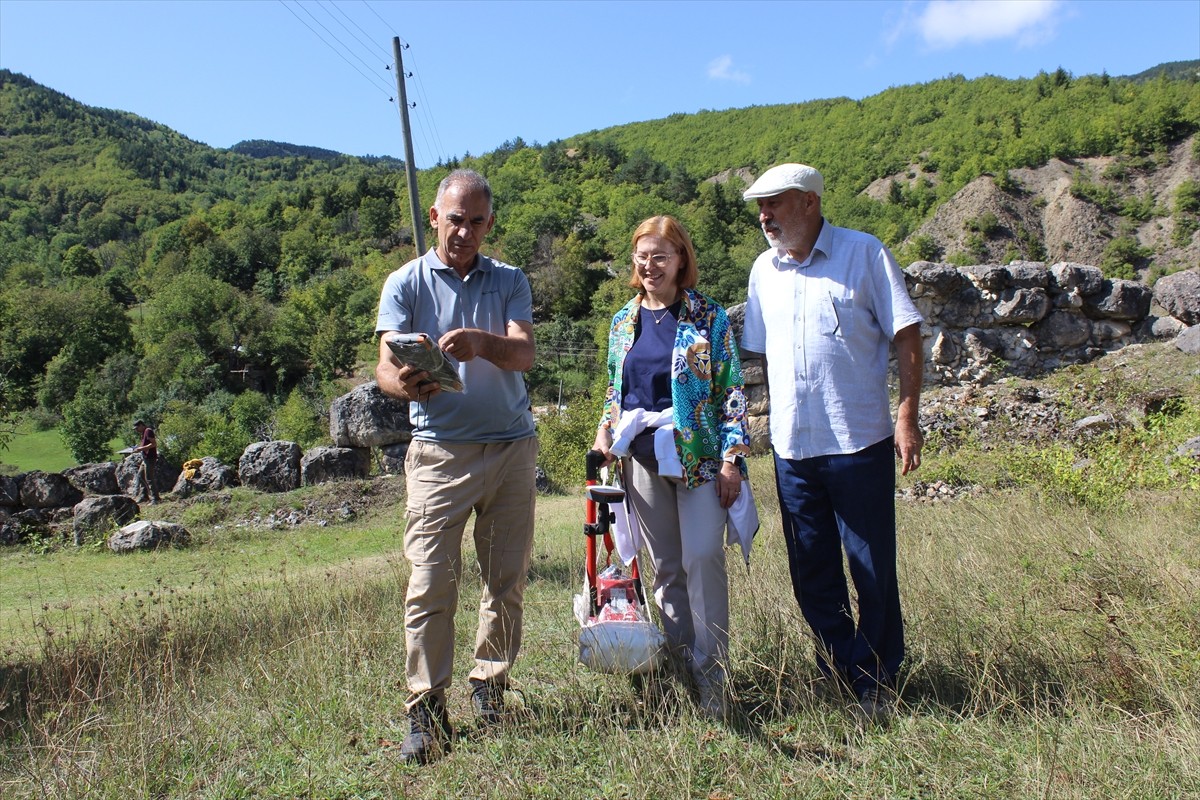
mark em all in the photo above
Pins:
pixel 594 461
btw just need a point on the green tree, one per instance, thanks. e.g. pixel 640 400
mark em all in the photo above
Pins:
pixel 374 217
pixel 181 432
pixel 87 425
pixel 300 420
pixel 80 263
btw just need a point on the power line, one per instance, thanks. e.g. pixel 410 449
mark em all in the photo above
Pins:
pixel 440 150
pixel 366 44
pixel 340 43
pixel 423 107
pixel 324 42
pixel 363 43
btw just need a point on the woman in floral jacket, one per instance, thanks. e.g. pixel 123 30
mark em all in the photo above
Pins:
pixel 675 414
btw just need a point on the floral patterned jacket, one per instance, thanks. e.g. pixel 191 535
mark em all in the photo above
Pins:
pixel 707 392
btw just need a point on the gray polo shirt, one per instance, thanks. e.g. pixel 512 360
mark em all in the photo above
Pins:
pixel 426 296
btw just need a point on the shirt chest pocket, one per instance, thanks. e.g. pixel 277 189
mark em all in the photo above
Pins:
pixel 830 311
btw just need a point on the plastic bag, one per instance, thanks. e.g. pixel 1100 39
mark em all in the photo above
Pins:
pixel 626 648
pixel 420 351
pixel 620 639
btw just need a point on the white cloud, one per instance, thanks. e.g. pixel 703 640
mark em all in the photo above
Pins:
pixel 721 69
pixel 949 23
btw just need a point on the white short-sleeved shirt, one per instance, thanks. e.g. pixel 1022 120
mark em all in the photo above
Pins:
pixel 426 296
pixel 825 326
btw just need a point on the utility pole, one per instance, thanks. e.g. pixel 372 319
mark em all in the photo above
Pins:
pixel 410 168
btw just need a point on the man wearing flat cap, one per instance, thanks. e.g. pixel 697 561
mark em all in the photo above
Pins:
pixel 824 308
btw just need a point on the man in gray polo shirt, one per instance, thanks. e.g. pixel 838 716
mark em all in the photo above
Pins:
pixel 825 305
pixel 472 451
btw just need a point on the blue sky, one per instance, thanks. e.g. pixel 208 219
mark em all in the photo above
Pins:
pixel 312 71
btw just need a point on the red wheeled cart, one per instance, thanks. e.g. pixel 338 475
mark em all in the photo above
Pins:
pixel 617 634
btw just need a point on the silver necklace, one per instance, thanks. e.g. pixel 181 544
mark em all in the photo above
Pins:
pixel 659 317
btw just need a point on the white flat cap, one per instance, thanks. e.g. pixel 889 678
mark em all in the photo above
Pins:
pixel 779 179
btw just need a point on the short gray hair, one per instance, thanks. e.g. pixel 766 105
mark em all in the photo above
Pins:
pixel 467 179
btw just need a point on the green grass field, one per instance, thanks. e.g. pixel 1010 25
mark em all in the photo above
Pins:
pixel 30 449
pixel 1053 653
pixel 1052 614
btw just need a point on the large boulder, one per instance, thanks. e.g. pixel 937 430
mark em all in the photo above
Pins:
pixel 22 525
pixel 164 474
pixel 322 464
pixel 1079 278
pixel 366 417
pixel 94 479
pixel 1027 275
pixel 1119 299
pixel 10 491
pixel 1062 329
pixel 941 281
pixel 1021 306
pixel 989 277
pixel 148 535
pixel 1179 295
pixel 1189 340
pixel 101 513
pixel 47 490
pixel 210 476
pixel 967 308
pixel 270 466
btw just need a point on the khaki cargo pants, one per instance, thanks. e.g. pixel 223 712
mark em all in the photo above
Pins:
pixel 446 483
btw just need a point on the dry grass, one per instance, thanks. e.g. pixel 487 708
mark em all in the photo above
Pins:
pixel 1054 653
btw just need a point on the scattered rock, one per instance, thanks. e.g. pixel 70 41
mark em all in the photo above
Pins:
pixel 94 479
pixel 47 490
pixel 210 476
pixel 1189 449
pixel 101 513
pixel 1097 423
pixel 321 464
pixel 10 491
pixel 1179 294
pixel 1189 340
pixel 148 535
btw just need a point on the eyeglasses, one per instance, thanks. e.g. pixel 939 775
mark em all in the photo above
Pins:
pixel 660 259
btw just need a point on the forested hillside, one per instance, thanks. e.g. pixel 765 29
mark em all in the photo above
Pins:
pixel 227 293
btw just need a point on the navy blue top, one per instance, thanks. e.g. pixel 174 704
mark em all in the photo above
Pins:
pixel 646 374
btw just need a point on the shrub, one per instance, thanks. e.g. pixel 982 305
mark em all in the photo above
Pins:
pixel 1122 257
pixel 986 224
pixel 299 420
pixel 87 426
pixel 564 438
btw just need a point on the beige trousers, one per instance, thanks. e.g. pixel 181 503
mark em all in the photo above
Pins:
pixel 446 483
pixel 684 530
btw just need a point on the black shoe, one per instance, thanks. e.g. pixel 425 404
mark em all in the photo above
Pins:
pixel 876 706
pixel 429 734
pixel 487 698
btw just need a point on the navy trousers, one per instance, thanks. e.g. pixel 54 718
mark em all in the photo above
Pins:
pixel 831 503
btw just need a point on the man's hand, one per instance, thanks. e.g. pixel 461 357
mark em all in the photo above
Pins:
pixel 910 359
pixel 463 344
pixel 403 382
pixel 512 351
pixel 909 441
